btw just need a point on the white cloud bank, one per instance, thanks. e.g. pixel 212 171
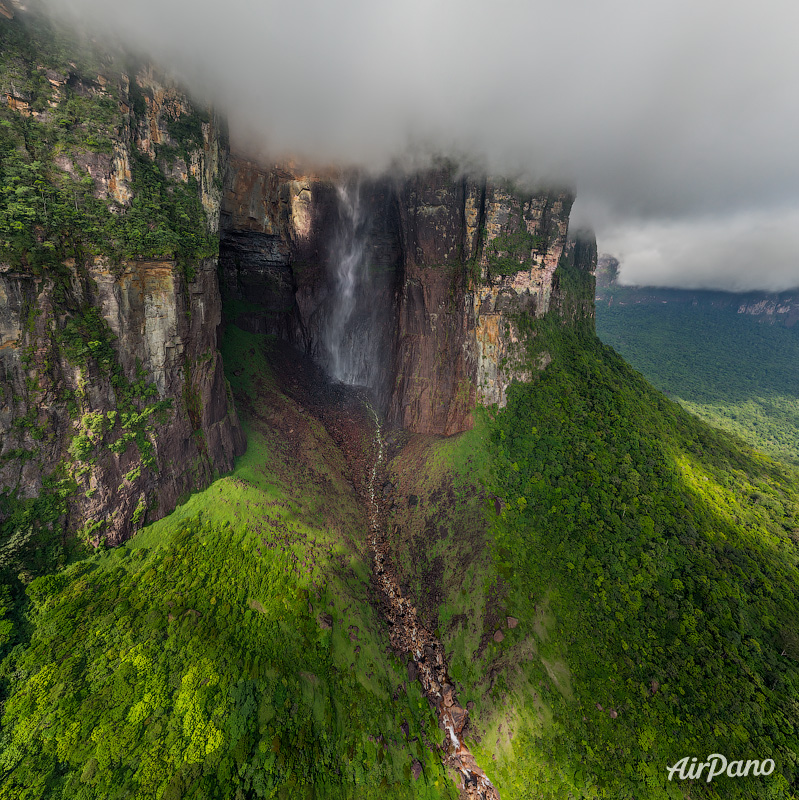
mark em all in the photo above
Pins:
pixel 673 118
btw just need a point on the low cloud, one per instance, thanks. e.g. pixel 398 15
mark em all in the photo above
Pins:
pixel 666 115
pixel 743 253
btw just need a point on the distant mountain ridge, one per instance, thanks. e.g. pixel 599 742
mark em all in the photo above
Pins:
pixel 773 307
pixel 731 359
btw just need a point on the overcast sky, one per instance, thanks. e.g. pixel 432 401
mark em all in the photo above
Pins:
pixel 676 121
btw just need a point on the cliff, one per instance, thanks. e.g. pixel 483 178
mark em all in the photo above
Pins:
pixel 453 265
pixel 114 403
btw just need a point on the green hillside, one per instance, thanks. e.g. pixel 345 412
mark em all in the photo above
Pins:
pixel 612 582
pixel 729 369
pixel 649 561
pixel 192 662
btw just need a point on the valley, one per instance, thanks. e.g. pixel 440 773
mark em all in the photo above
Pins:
pixel 731 359
pixel 318 483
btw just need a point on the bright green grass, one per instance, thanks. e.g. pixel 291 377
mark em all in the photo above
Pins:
pixel 190 663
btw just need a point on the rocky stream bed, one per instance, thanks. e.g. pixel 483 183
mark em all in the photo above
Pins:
pixel 349 415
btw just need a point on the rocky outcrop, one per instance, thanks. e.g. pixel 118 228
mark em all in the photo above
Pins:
pixel 461 260
pixel 116 392
pixel 267 240
pixel 525 236
pixel 114 403
pixel 783 308
pixel 433 390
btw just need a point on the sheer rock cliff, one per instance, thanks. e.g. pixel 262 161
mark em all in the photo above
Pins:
pixel 114 403
pixel 459 260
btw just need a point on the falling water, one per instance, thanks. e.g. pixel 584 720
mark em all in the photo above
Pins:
pixel 349 337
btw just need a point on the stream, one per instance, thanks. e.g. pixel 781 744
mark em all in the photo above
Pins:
pixel 409 635
pixel 345 411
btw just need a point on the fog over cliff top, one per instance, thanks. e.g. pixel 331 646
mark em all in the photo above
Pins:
pixel 676 121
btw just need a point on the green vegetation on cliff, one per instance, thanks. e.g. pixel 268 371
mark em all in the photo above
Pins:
pixel 649 565
pixel 730 369
pixel 229 650
pixel 65 114
pixel 77 186
pixel 665 557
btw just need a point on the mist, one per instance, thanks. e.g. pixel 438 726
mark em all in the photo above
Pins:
pixel 676 122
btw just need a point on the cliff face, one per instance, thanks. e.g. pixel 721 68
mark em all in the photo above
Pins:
pixel 114 403
pixel 458 259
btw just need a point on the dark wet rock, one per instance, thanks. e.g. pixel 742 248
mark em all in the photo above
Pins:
pixel 447 695
pixel 459 717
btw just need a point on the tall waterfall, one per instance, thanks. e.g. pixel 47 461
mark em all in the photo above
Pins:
pixel 349 337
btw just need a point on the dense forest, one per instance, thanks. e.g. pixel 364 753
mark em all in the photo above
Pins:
pixel 613 580
pixel 649 559
pixel 733 370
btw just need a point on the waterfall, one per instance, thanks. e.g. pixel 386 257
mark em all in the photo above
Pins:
pixel 349 337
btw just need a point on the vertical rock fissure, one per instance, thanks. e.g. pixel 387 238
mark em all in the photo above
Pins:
pixel 409 635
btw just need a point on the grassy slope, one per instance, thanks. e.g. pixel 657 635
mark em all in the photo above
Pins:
pixel 727 368
pixel 666 559
pixel 651 563
pixel 190 662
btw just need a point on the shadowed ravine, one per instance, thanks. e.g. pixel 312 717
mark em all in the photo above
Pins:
pixel 352 355
pixel 349 416
pixel 408 635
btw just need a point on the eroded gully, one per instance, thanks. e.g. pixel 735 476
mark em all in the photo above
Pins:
pixel 408 635
pixel 341 410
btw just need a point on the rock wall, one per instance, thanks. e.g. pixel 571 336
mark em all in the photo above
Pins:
pixel 114 404
pixel 466 256
pixel 279 228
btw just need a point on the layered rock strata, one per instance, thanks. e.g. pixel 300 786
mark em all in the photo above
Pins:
pixel 114 403
pixel 461 258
